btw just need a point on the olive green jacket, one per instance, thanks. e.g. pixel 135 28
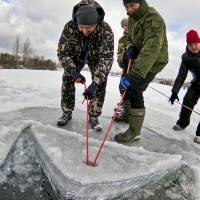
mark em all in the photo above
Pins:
pixel 147 33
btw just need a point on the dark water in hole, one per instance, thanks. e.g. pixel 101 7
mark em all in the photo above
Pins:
pixel 24 178
pixel 38 191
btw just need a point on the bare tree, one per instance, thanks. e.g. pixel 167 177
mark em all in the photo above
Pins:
pixel 16 49
pixel 27 50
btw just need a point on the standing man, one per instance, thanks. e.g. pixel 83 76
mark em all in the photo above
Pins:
pixel 147 34
pixel 122 115
pixel 86 39
pixel 190 62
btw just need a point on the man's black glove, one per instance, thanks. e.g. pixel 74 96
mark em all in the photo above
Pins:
pixel 121 64
pixel 79 78
pixel 173 98
pixel 90 91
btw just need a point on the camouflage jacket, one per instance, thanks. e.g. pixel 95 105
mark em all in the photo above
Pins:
pixel 122 44
pixel 100 48
pixel 121 53
pixel 147 33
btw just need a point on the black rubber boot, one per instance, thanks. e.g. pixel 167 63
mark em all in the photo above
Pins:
pixel 136 119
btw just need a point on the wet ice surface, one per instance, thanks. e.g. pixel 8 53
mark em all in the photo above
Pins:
pixel 21 174
pixel 178 179
pixel 68 149
pixel 122 173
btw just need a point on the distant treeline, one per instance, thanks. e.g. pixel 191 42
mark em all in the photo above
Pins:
pixel 23 57
pixel 26 61
pixel 9 61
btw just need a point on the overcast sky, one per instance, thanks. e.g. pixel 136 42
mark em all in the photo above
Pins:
pixel 42 21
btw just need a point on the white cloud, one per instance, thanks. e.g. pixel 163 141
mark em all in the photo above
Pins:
pixel 43 21
pixel 6 26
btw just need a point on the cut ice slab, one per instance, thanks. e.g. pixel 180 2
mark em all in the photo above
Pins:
pixel 118 169
pixel 8 136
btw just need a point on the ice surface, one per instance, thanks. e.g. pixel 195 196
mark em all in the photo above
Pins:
pixel 131 162
pixel 119 169
pixel 121 172
pixel 21 174
pixel 8 136
pixel 33 89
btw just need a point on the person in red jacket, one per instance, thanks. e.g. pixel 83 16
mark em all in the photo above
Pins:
pixel 190 62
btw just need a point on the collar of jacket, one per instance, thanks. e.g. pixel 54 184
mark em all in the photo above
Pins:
pixel 141 11
pixel 192 54
pixel 125 34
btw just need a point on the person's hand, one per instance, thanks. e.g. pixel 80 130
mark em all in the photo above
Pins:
pixel 79 78
pixel 130 54
pixel 173 98
pixel 90 91
pixel 124 84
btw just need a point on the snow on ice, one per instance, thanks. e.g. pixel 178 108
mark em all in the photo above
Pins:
pixel 162 158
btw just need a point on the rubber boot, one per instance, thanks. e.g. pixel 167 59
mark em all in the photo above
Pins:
pixel 124 116
pixel 136 119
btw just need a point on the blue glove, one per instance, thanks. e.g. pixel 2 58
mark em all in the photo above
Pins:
pixel 90 91
pixel 124 84
pixel 130 54
pixel 79 78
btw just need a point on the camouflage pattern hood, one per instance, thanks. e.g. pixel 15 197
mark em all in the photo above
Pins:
pixel 89 2
pixel 100 48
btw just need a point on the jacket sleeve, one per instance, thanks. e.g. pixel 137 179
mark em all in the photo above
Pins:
pixel 120 50
pixel 153 40
pixel 64 49
pixel 106 52
pixel 129 42
pixel 182 74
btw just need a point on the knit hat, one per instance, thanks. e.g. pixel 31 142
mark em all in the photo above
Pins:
pixel 124 22
pixel 132 1
pixel 87 15
pixel 192 37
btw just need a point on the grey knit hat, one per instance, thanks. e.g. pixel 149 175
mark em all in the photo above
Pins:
pixel 124 22
pixel 87 15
